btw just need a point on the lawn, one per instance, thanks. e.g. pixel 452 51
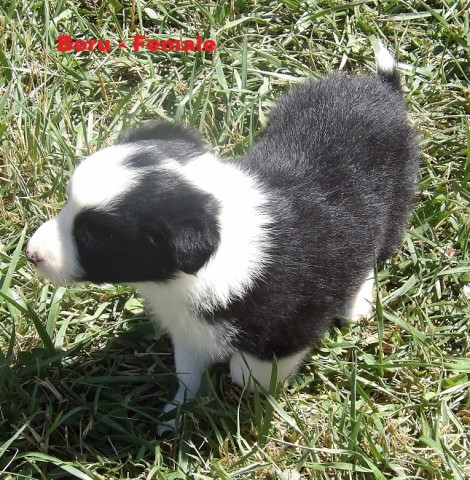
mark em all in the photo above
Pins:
pixel 83 374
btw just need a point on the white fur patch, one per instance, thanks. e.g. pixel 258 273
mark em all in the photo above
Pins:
pixel 171 304
pixel 102 177
pixel 242 253
pixel 363 301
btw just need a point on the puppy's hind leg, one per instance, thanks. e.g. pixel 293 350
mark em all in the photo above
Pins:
pixel 363 300
pixel 247 370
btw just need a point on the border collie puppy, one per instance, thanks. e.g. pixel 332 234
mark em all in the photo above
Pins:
pixel 250 261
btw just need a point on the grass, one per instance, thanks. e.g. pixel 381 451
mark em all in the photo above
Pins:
pixel 82 378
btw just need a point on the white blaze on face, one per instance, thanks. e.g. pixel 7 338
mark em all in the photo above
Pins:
pixel 95 183
pixel 101 177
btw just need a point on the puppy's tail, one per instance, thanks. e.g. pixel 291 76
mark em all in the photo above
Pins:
pixel 387 67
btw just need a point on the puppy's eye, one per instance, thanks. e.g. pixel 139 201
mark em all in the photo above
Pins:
pixel 89 239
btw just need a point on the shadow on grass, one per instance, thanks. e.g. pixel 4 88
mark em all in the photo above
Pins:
pixel 103 398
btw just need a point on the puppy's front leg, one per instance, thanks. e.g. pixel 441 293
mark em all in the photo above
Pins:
pixel 190 365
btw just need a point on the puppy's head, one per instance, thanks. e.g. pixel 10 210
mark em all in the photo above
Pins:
pixel 131 215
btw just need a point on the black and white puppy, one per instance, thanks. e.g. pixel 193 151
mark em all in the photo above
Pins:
pixel 249 261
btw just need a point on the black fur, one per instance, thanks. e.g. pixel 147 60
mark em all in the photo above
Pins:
pixel 391 77
pixel 167 140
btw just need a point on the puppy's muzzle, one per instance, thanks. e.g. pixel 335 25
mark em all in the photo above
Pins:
pixel 33 256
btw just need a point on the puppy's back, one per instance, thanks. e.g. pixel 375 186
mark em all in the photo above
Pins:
pixel 333 128
pixel 344 144
pixel 338 160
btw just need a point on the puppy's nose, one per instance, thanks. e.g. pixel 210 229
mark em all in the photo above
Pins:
pixel 32 255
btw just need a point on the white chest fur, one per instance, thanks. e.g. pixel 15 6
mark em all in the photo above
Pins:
pixel 173 308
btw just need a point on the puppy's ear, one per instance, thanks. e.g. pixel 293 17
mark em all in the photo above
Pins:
pixel 193 241
pixel 191 232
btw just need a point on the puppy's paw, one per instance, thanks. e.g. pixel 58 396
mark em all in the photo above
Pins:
pixel 362 309
pixel 165 427
pixel 172 417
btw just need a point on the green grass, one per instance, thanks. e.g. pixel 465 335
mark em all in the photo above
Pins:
pixel 82 379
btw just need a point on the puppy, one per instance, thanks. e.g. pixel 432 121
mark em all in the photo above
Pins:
pixel 251 261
